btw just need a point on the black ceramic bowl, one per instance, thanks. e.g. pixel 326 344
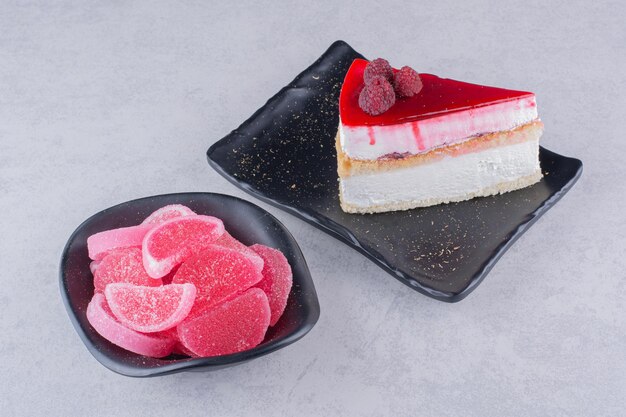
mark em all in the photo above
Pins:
pixel 246 222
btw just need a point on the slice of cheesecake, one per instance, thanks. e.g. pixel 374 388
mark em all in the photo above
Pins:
pixel 452 141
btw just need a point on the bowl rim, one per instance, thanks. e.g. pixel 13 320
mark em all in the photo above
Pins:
pixel 205 363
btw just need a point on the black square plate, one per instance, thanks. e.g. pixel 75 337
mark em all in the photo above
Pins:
pixel 284 155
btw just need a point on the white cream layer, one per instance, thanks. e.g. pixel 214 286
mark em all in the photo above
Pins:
pixel 449 179
pixel 373 142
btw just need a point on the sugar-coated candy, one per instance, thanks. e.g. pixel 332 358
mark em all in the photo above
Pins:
pixel 170 275
pixel 124 237
pixel 170 333
pixel 227 241
pixel 218 273
pixel 107 326
pixel 180 283
pixel 100 243
pixel 233 326
pixel 171 242
pixel 180 349
pixel 167 213
pixel 93 266
pixel 122 265
pixel 277 279
pixel 150 309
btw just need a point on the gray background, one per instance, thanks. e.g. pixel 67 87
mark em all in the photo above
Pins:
pixel 109 101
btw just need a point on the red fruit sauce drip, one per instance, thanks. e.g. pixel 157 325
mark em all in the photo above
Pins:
pixel 370 133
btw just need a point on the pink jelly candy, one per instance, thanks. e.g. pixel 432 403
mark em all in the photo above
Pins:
pixel 108 327
pixel 277 279
pixel 170 275
pixel 93 266
pixel 100 243
pixel 218 273
pixel 170 333
pixel 180 349
pixel 150 309
pixel 167 213
pixel 230 327
pixel 227 241
pixel 122 265
pixel 169 243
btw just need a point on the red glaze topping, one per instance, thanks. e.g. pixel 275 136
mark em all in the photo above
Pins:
pixel 438 96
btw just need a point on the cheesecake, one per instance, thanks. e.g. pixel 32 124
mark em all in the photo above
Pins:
pixel 450 141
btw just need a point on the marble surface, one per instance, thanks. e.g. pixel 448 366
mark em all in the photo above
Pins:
pixel 102 102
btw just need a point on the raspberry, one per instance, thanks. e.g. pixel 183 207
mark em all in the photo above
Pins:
pixel 377 96
pixel 378 67
pixel 407 82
